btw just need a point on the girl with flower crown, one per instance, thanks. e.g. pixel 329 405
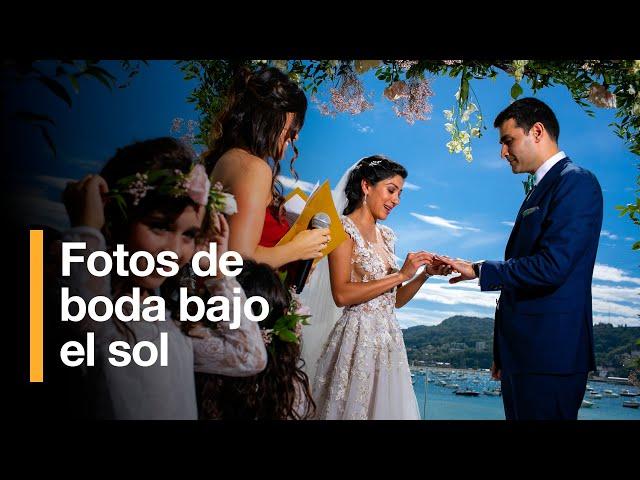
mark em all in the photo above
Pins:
pixel 281 391
pixel 264 113
pixel 152 197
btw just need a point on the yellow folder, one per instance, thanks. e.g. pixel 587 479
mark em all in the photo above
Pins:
pixel 296 191
pixel 320 201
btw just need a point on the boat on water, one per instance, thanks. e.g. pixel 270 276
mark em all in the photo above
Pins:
pixel 451 385
pixel 589 387
pixel 595 395
pixel 631 404
pixel 586 404
pixel 610 394
pixel 467 393
pixel 627 393
pixel 493 392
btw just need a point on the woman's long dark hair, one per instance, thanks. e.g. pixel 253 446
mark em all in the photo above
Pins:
pixel 271 394
pixel 255 115
pixel 382 169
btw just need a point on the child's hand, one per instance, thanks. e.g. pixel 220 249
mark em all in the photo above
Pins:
pixel 220 232
pixel 84 203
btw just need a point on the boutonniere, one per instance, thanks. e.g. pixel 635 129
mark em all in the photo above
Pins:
pixel 529 211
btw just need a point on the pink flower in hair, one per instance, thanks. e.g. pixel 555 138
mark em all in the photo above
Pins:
pixel 198 184
pixel 303 310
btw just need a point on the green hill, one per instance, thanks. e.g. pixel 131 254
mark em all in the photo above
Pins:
pixel 466 342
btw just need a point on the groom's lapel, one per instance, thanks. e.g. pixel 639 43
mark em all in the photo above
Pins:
pixel 537 193
pixel 544 185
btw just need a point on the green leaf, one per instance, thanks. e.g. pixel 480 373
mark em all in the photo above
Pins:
pixel 48 139
pixel 74 83
pixel 464 90
pixel 102 80
pixel 57 89
pixel 33 117
pixel 94 69
pixel 516 91
pixel 287 336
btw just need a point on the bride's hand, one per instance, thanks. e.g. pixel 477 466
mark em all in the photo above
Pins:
pixel 413 262
pixel 438 269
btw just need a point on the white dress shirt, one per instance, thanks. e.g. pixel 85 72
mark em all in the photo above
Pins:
pixel 548 165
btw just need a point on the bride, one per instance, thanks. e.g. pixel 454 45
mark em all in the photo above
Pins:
pixel 362 370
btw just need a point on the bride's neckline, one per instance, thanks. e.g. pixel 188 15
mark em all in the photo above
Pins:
pixel 380 248
pixel 379 239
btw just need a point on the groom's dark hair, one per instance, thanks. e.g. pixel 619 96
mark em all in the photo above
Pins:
pixel 528 111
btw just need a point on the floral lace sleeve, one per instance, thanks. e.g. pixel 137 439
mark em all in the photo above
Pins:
pixel 236 353
pixel 80 282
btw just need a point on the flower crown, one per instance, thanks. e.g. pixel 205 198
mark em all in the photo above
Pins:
pixel 194 185
pixel 288 327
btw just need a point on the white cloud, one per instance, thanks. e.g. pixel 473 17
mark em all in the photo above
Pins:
pixel 42 211
pixel 55 182
pixel 510 224
pixel 493 164
pixel 289 182
pixel 601 306
pixel 434 207
pixel 84 164
pixel 612 274
pixel 411 186
pixel 620 302
pixel 607 234
pixel 410 316
pixel 443 222
pixel 459 293
pixel 364 128
pixel 616 294
pixel 629 239
pixel 630 322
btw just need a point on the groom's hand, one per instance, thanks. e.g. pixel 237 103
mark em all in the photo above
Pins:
pixel 464 268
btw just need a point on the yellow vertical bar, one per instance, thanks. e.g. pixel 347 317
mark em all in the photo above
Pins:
pixel 36 286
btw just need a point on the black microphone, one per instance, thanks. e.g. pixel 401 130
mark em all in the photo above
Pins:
pixel 319 220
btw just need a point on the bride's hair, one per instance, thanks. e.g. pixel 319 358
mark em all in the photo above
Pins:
pixel 372 169
pixel 254 116
pixel 271 394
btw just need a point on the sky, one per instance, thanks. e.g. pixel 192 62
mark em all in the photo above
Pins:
pixel 449 206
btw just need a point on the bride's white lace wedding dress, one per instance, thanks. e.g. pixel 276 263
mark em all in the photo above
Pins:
pixel 363 371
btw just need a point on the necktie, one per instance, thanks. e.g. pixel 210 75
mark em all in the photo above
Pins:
pixel 529 183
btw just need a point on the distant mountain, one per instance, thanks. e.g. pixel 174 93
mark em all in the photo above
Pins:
pixel 467 342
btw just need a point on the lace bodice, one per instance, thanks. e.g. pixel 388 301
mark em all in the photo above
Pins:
pixel 372 262
pixel 363 371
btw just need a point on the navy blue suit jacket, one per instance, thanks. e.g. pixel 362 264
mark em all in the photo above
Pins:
pixel 543 319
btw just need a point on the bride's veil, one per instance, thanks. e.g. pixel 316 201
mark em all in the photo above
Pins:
pixel 317 296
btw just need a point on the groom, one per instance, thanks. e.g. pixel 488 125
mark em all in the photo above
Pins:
pixel 543 334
